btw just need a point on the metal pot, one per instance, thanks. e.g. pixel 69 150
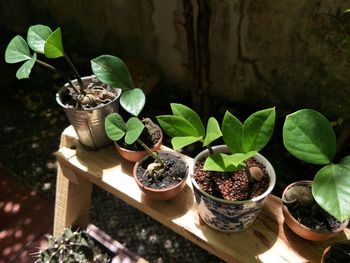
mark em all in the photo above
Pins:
pixel 89 124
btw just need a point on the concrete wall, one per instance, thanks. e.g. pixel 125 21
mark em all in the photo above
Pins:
pixel 271 52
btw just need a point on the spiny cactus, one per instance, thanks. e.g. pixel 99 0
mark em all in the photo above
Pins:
pixel 71 246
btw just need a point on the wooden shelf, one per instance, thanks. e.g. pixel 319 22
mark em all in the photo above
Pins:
pixel 267 240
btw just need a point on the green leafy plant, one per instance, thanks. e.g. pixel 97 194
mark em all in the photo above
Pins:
pixel 310 137
pixel 108 69
pixel 243 140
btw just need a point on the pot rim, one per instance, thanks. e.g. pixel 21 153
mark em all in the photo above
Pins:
pixel 65 86
pixel 163 189
pixel 224 148
pixel 284 207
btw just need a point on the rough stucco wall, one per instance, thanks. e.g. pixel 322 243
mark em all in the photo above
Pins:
pixel 283 53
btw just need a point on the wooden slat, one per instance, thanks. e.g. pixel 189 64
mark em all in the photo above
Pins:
pixel 267 240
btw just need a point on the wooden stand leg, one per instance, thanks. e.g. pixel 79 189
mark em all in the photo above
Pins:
pixel 73 200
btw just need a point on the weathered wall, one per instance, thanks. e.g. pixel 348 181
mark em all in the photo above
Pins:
pixel 270 52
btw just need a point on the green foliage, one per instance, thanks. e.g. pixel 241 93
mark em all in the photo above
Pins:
pixel 133 101
pixel 53 47
pixel 221 162
pixel 213 131
pixel 37 36
pixel 17 51
pixel 309 136
pixel 24 71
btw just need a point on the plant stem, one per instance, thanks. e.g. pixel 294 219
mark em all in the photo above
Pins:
pixel 153 154
pixel 210 149
pixel 81 84
pixel 42 63
pixel 247 171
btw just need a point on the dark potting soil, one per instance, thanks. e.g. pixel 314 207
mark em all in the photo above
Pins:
pixel 313 216
pixel 233 186
pixel 150 136
pixel 338 253
pixel 97 95
pixel 174 172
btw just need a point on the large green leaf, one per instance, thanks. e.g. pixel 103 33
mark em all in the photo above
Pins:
pixel 134 128
pixel 53 47
pixel 111 70
pixel 258 129
pixel 37 36
pixel 115 126
pixel 24 71
pixel 232 131
pixel 213 131
pixel 133 101
pixel 180 142
pixel 189 115
pixel 176 126
pixel 221 162
pixel 309 136
pixel 331 190
pixel 17 50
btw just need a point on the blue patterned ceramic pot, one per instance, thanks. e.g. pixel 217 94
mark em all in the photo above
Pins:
pixel 229 216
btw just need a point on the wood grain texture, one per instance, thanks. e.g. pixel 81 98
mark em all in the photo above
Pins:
pixel 267 240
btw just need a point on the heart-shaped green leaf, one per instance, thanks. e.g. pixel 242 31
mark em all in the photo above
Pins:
pixel 213 131
pixel 189 115
pixel 111 70
pixel 115 126
pixel 17 50
pixel 37 36
pixel 180 142
pixel 53 47
pixel 24 71
pixel 220 162
pixel 232 131
pixel 258 129
pixel 176 126
pixel 134 128
pixel 331 190
pixel 309 136
pixel 133 101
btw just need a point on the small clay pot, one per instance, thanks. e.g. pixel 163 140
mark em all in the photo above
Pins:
pixel 164 193
pixel 134 156
pixel 345 256
pixel 302 230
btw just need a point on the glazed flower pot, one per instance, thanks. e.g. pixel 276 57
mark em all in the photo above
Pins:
pixel 301 229
pixel 224 215
pixel 134 156
pixel 162 193
pixel 89 124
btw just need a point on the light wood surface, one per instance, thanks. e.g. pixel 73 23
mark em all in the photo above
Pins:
pixel 267 240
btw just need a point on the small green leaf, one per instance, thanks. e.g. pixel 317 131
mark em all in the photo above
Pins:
pixel 258 129
pixel 37 36
pixel 180 142
pixel 189 115
pixel 24 71
pixel 309 136
pixel 232 130
pixel 213 131
pixel 134 128
pixel 176 126
pixel 17 50
pixel 220 162
pixel 331 190
pixel 347 11
pixel 111 70
pixel 115 126
pixel 53 47
pixel 133 101
pixel 345 160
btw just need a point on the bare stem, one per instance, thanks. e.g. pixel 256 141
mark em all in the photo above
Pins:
pixel 42 63
pixel 247 171
pixel 80 82
pixel 152 153
pixel 210 149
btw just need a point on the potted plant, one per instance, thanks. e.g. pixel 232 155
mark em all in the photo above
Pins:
pixel 230 181
pixel 88 100
pixel 318 209
pixel 161 175
pixel 337 252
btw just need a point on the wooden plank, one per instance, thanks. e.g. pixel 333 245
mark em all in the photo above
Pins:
pixel 267 240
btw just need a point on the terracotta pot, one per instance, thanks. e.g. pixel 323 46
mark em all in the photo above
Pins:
pixel 134 156
pixel 224 215
pixel 328 249
pixel 302 230
pixel 165 193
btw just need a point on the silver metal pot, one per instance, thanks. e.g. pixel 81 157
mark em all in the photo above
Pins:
pixel 89 124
